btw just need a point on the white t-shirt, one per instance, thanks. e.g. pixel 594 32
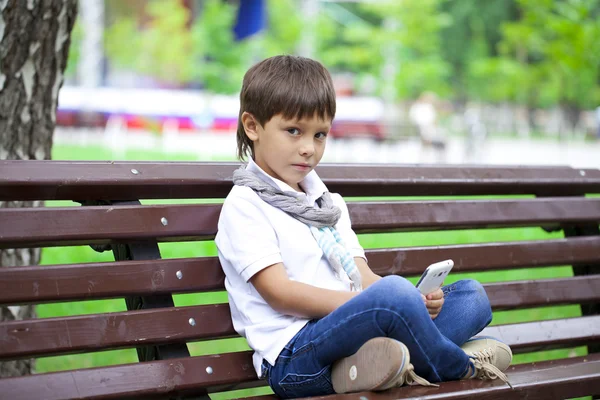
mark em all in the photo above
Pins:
pixel 253 235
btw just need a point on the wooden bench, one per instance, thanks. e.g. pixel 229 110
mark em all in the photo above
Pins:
pixel 112 218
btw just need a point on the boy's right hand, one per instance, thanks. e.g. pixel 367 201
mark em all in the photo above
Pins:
pixel 434 302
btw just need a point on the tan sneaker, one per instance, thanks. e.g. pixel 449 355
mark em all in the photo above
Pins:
pixel 490 358
pixel 379 364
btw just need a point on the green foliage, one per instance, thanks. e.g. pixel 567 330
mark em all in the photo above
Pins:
pixel 535 53
pixel 495 79
pixel 217 60
pixel 407 31
pixel 283 32
pixel 74 49
pixel 174 49
pixel 563 38
pixel 118 50
pixel 472 36
pixel 163 45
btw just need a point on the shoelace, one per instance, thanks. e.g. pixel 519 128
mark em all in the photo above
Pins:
pixel 484 367
pixel 408 377
pixel 413 379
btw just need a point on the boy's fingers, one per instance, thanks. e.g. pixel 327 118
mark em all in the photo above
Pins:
pixel 436 295
pixel 435 304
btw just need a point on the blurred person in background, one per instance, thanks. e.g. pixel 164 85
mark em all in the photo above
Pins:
pixel 423 114
pixel 476 132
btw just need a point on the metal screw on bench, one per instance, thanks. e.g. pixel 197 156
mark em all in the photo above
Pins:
pixel 134 171
pixel 179 274
pixel 582 173
pixel 164 221
pixel 192 321
pixel 209 370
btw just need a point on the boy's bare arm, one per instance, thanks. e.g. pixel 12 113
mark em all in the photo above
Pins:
pixel 368 276
pixel 296 298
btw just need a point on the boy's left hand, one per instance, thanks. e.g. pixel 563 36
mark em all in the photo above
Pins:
pixel 434 302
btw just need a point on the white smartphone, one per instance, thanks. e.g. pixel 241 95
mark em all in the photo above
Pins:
pixel 434 276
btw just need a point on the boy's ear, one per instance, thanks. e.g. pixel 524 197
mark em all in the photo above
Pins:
pixel 250 126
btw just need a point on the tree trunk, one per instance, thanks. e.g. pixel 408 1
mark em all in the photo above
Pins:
pixel 34 45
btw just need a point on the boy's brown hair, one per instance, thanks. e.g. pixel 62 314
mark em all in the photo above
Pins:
pixel 295 87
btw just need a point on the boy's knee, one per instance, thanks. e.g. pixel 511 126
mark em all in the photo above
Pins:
pixel 475 287
pixel 394 289
pixel 389 297
pixel 477 297
pixel 393 283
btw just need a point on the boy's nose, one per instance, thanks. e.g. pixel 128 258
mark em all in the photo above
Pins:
pixel 307 149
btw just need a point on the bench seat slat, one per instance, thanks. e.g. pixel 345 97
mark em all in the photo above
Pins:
pixel 63 335
pixel 37 227
pixel 36 284
pixel 577 376
pixel 73 180
pixel 550 334
pixel 556 379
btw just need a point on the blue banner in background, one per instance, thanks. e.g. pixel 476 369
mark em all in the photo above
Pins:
pixel 251 18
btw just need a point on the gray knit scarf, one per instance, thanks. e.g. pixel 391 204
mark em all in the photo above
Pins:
pixel 320 220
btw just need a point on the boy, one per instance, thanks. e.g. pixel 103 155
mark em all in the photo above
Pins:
pixel 300 289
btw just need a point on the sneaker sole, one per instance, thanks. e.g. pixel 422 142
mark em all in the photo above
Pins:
pixel 371 368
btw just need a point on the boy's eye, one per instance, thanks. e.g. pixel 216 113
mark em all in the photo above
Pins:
pixel 293 131
pixel 321 135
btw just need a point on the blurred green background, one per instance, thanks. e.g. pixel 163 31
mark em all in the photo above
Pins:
pixel 538 53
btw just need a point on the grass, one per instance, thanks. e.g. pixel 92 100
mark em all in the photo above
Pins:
pixel 196 249
pixel 101 153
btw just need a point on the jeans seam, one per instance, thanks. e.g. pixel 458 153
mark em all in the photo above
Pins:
pixel 304 349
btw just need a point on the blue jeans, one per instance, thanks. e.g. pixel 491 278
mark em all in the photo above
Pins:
pixel 391 307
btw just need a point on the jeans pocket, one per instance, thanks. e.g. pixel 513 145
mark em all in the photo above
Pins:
pixel 303 385
pixel 265 370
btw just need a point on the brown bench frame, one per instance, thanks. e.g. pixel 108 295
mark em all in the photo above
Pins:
pixel 167 371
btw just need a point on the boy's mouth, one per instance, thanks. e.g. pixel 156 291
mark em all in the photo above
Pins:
pixel 301 167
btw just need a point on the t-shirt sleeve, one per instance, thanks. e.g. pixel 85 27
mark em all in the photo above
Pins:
pixel 344 227
pixel 246 240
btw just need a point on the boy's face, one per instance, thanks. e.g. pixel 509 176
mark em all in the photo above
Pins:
pixel 287 149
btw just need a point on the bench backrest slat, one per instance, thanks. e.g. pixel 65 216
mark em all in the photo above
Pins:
pixel 65 335
pixel 60 180
pixel 142 380
pixel 544 292
pixel 102 331
pixel 104 280
pixel 487 256
pixel 101 224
